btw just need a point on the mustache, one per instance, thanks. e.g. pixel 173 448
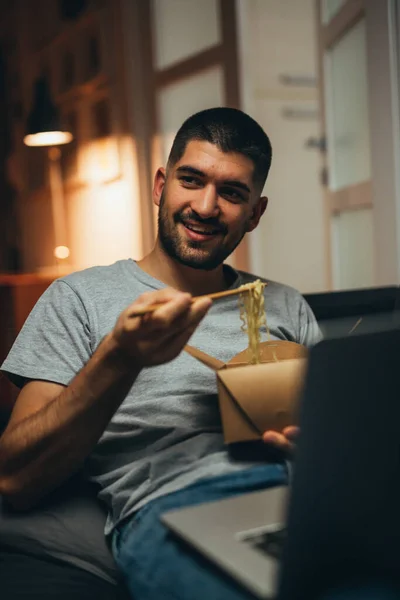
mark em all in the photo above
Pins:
pixel 193 218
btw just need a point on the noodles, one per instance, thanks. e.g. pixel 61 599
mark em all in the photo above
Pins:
pixel 252 315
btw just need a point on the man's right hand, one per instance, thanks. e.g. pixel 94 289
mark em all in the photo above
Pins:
pixel 158 337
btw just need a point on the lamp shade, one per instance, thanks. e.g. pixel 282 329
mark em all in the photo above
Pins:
pixel 44 126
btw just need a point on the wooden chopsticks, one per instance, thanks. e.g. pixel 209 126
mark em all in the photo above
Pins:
pixel 152 307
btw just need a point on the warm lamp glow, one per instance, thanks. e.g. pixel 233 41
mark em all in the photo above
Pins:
pixel 99 160
pixel 48 138
pixel 61 252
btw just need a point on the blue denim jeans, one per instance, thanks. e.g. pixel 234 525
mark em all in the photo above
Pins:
pixel 158 566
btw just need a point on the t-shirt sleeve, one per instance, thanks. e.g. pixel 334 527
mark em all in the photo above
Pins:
pixel 310 333
pixel 54 343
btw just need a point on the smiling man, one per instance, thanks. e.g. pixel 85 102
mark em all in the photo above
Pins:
pixel 214 203
pixel 111 392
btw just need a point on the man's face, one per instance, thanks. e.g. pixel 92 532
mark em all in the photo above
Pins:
pixel 207 203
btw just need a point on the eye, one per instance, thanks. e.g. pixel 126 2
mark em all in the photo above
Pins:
pixel 190 181
pixel 232 195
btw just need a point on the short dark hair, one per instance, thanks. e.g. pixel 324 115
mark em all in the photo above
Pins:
pixel 231 130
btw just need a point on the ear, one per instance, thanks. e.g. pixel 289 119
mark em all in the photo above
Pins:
pixel 258 210
pixel 158 185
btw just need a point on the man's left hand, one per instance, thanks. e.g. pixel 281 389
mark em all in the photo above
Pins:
pixel 284 441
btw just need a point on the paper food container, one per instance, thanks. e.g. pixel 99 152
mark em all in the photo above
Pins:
pixel 257 398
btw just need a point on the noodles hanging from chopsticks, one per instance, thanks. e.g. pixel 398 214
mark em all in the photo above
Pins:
pixel 252 315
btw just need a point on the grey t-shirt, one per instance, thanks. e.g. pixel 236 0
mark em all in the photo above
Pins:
pixel 167 433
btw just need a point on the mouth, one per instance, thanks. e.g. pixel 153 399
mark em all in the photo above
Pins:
pixel 200 233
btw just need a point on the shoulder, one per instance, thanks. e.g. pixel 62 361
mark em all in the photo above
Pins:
pixel 98 282
pixel 97 275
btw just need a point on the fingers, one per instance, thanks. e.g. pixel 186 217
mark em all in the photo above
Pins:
pixel 276 439
pixel 184 327
pixel 176 313
pixel 159 336
pixel 291 432
pixel 156 297
pixel 181 313
pixel 172 303
pixel 172 340
pixel 173 309
pixel 192 317
pixel 279 441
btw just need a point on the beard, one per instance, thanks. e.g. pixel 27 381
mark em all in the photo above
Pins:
pixel 190 253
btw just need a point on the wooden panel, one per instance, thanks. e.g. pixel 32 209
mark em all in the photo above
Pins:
pixel 323 155
pixel 189 66
pixel 69 152
pixel 241 256
pixel 351 12
pixel 352 197
pixel 135 46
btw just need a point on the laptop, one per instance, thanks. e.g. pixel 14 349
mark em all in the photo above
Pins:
pixel 363 310
pixel 342 515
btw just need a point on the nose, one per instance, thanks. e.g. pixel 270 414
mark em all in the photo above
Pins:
pixel 206 203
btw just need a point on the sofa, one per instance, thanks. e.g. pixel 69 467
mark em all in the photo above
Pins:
pixel 57 550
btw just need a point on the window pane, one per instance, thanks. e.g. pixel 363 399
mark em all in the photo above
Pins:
pixel 178 101
pixel 330 9
pixel 347 110
pixel 183 28
pixel 352 245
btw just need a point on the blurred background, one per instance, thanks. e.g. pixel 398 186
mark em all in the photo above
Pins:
pixel 320 76
pixel 93 91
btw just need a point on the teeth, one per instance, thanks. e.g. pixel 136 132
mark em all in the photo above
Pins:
pixel 201 231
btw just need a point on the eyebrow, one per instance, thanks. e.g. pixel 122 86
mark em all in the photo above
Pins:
pixel 232 182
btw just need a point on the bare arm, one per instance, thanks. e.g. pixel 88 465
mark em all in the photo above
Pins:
pixel 54 428
pixel 42 448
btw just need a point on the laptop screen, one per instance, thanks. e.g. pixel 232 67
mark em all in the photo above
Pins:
pixel 356 312
pixel 344 518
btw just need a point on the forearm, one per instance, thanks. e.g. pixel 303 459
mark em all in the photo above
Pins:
pixel 43 450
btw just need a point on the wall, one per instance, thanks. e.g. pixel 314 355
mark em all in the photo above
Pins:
pixel 383 51
pixel 276 38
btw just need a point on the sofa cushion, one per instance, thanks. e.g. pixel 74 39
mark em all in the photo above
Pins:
pixel 27 577
pixel 68 525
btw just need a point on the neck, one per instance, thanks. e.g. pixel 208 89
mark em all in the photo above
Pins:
pixel 163 267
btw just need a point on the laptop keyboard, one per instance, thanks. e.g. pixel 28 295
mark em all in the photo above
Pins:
pixel 268 542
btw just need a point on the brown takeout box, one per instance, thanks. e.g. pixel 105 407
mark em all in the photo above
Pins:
pixel 257 398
